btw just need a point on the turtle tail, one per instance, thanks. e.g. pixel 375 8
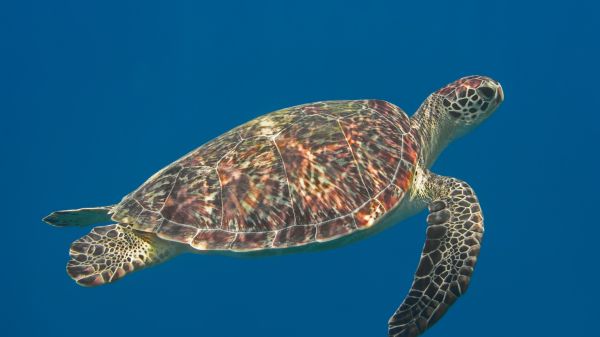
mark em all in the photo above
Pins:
pixel 79 217
pixel 110 252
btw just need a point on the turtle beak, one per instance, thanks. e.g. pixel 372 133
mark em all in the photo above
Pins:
pixel 500 97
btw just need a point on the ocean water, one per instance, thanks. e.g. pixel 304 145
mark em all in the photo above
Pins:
pixel 97 97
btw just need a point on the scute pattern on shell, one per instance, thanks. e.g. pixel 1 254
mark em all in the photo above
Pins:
pixel 313 172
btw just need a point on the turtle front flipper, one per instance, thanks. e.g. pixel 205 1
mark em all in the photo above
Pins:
pixel 79 217
pixel 454 232
pixel 108 253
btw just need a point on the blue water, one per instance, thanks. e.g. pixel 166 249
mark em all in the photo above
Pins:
pixel 96 97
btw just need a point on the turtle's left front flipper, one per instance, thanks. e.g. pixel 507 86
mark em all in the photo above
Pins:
pixel 454 232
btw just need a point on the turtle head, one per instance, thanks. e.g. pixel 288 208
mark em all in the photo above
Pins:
pixel 453 111
pixel 469 101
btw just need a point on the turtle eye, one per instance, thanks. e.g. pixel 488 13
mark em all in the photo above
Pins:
pixel 486 92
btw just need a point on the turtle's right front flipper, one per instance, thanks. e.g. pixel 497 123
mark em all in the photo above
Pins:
pixel 79 217
pixel 454 232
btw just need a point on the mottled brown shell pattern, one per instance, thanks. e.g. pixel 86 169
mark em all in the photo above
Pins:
pixel 314 172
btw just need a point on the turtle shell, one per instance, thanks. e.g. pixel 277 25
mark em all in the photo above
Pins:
pixel 309 173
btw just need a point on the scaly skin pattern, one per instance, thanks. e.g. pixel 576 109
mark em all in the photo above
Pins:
pixel 468 97
pixel 453 240
pixel 310 173
pixel 110 252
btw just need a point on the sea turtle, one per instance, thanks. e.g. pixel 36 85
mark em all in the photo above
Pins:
pixel 308 177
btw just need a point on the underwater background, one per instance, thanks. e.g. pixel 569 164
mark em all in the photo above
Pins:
pixel 96 97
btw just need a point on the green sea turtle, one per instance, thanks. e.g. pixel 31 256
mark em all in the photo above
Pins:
pixel 308 177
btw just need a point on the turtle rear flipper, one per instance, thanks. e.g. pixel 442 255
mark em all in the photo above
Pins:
pixel 454 232
pixel 108 253
pixel 79 217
